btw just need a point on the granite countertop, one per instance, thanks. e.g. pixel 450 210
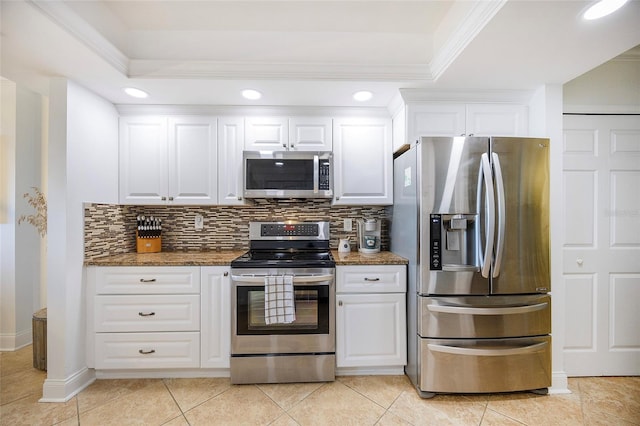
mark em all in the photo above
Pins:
pixel 357 258
pixel 224 257
pixel 187 258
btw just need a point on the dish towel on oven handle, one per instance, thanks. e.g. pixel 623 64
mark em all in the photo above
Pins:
pixel 279 299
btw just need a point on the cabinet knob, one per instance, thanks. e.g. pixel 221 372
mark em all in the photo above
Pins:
pixel 239 198
pixel 340 303
pixel 170 198
pixel 579 261
pixel 163 198
pixel 226 274
pixel 284 145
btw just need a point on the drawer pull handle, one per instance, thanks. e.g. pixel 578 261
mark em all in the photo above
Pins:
pixel 150 314
pixel 143 280
pixel 143 352
pixel 372 279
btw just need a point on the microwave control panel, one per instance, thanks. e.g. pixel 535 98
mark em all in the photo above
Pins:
pixel 324 183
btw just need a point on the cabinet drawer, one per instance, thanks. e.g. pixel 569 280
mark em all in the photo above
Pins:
pixel 146 279
pixel 371 279
pixel 179 312
pixel 147 350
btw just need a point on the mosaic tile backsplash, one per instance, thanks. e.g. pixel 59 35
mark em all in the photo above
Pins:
pixel 110 229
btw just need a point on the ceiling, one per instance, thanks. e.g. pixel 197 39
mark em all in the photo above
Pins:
pixel 305 52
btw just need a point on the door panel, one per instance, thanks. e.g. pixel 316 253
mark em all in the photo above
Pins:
pixel 601 244
pixel 524 265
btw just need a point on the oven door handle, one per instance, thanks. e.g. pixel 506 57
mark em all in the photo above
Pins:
pixel 297 279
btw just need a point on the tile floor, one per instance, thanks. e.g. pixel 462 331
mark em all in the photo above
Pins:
pixel 362 400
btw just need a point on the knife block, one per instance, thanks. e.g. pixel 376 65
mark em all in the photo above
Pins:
pixel 148 245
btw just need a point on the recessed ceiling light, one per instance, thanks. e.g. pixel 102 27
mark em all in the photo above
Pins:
pixel 362 96
pixel 603 8
pixel 136 93
pixel 251 94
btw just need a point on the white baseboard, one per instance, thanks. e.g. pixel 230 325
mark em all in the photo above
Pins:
pixel 559 383
pixel 15 341
pixel 370 371
pixel 62 390
pixel 188 373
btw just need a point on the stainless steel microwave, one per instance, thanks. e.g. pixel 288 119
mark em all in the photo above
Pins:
pixel 287 174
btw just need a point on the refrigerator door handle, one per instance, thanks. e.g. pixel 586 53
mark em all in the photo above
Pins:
pixel 501 214
pixel 455 350
pixel 484 176
pixel 463 310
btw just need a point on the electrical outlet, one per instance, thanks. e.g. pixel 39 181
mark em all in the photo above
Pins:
pixel 199 222
pixel 348 225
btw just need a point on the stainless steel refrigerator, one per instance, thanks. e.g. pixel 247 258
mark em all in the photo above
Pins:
pixel 472 216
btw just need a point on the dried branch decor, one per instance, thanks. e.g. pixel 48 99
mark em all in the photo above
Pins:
pixel 39 219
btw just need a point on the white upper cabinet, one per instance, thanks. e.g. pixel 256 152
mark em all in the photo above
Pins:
pixel 288 134
pixel 230 146
pixel 168 161
pixel 266 133
pixel 363 161
pixel 310 134
pixel 479 119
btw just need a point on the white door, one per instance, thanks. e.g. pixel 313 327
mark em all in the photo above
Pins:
pixel 266 134
pixel 601 247
pixel 215 314
pixel 310 134
pixel 230 169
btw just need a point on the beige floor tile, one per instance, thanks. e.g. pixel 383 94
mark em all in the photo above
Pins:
pixel 439 410
pixel 21 384
pixel 534 409
pixel 178 421
pixel 284 420
pixel 28 411
pixel 491 418
pixel 382 390
pixel 240 404
pixel 336 404
pixel 613 398
pixel 390 419
pixel 189 393
pixel 286 395
pixel 16 361
pixel 104 391
pixel 151 404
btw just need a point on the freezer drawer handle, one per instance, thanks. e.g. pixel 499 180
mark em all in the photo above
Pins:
pixel 454 350
pixel 487 311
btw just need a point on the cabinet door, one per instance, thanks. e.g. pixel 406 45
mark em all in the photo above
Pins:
pixel 363 161
pixel 435 120
pixel 230 146
pixel 215 329
pixel 371 330
pixel 143 160
pixel 310 134
pixel 266 134
pixel 193 160
pixel 496 120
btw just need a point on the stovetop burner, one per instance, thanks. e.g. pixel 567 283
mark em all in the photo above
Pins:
pixel 287 244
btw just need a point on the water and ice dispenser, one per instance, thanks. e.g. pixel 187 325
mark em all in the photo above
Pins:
pixel 453 241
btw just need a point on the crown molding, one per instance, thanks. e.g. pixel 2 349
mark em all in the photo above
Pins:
pixel 466 96
pixel 67 19
pixel 246 111
pixel 278 71
pixel 480 14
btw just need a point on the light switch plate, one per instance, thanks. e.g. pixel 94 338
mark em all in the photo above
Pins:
pixel 199 222
pixel 348 225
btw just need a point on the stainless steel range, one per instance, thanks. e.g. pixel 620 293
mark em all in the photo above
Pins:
pixel 283 305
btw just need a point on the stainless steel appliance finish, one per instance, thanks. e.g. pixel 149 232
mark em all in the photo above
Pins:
pixel 299 351
pixel 288 174
pixel 471 215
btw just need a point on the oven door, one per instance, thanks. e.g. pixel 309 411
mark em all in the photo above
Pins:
pixel 313 330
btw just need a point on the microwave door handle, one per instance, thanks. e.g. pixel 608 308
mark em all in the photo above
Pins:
pixel 316 173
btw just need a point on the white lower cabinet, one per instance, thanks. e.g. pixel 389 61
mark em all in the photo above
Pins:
pixel 215 329
pixel 371 317
pixel 143 317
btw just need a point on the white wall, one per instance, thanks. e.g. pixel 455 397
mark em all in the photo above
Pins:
pixel 613 87
pixel 83 167
pixel 20 250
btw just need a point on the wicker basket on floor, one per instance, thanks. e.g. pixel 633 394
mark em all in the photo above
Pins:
pixel 39 327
